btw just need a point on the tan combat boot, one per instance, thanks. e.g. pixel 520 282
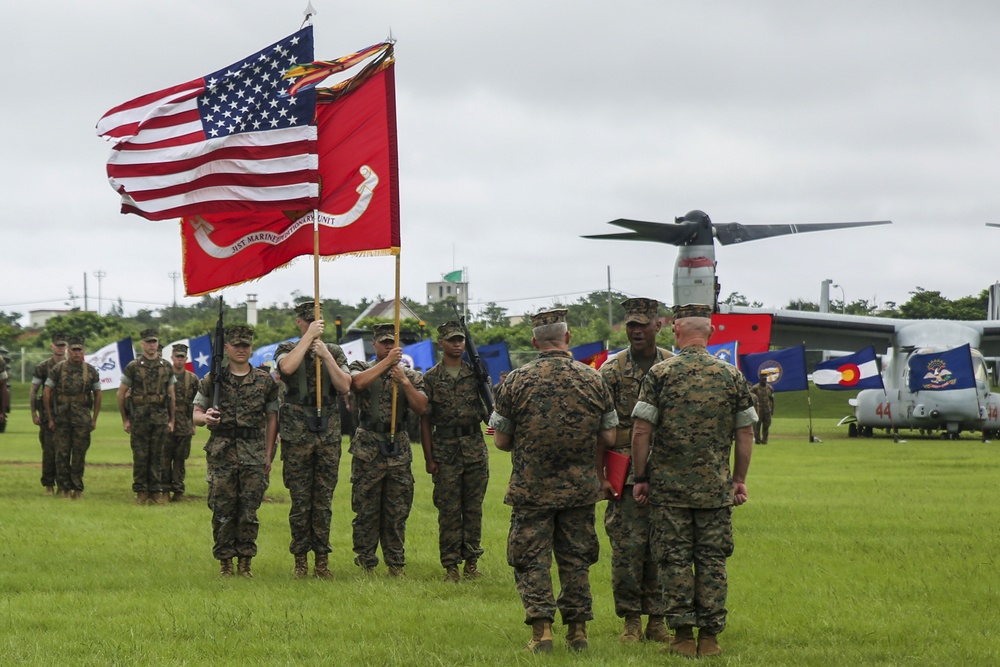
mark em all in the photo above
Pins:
pixel 301 565
pixel 178 497
pixel 708 644
pixel 160 498
pixel 541 637
pixel 49 491
pixel 321 568
pixel 451 574
pixel 633 629
pixel 226 569
pixel 66 493
pixel 683 643
pixel 76 495
pixel 141 498
pixel 576 636
pixel 471 569
pixel 656 630
pixel 397 571
pixel 243 567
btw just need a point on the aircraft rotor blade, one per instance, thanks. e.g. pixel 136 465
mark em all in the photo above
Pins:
pixel 659 232
pixel 734 232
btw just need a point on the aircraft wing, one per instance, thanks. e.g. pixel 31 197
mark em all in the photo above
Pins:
pixel 827 331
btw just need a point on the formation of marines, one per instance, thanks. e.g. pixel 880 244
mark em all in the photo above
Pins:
pixel 673 418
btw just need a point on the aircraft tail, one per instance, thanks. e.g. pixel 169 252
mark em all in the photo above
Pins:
pixel 993 307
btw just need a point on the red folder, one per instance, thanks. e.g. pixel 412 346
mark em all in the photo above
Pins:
pixel 616 470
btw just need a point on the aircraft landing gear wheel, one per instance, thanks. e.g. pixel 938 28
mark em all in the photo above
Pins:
pixel 852 430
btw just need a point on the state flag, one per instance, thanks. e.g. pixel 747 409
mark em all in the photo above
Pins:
pixel 942 371
pixel 784 369
pixel 853 372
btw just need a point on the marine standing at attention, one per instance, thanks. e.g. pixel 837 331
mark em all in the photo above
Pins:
pixel 765 409
pixel 455 454
pixel 689 408
pixel 556 417
pixel 72 404
pixel 310 444
pixel 634 579
pixel 45 434
pixel 243 428
pixel 381 477
pixel 150 378
pixel 177 447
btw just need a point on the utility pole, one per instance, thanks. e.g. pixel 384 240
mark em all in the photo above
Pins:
pixel 84 291
pixel 173 275
pixel 99 275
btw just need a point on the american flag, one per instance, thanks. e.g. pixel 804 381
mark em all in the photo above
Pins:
pixel 232 141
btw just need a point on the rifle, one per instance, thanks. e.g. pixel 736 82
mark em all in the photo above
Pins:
pixel 217 353
pixel 483 380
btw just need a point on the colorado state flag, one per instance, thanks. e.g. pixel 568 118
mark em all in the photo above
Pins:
pixel 855 371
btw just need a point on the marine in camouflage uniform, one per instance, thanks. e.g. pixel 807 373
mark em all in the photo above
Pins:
pixel 381 474
pixel 72 402
pixel 634 579
pixel 765 409
pixel 310 448
pixel 45 434
pixel 455 454
pixel 151 381
pixel 556 416
pixel 177 447
pixel 243 429
pixel 689 409
pixel 4 395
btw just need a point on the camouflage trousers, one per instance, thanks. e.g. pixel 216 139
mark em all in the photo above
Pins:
pixel 176 450
pixel 634 579
pixel 459 490
pixel 71 444
pixel 692 546
pixel 235 492
pixel 381 497
pixel 147 456
pixel 536 533
pixel 47 439
pixel 760 428
pixel 310 469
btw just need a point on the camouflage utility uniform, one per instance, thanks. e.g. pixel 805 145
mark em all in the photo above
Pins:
pixel 381 486
pixel 455 412
pixel 177 446
pixel 236 455
pixel 633 569
pixel 695 403
pixel 149 381
pixel 310 460
pixel 71 400
pixel 553 407
pixel 45 436
pixel 765 408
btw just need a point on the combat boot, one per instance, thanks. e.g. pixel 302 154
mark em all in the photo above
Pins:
pixel 321 568
pixel 576 636
pixel 633 629
pixel 76 495
pixel 541 637
pixel 451 574
pixel 66 493
pixel 471 569
pixel 226 569
pixel 397 571
pixel 160 498
pixel 656 630
pixel 708 644
pixel 243 567
pixel 141 498
pixel 683 643
pixel 301 565
pixel 178 497
pixel 49 491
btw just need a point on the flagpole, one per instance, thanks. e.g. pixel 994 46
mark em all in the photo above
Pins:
pixel 317 310
pixel 395 386
pixel 809 406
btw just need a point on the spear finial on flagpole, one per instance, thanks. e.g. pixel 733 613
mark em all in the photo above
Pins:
pixel 309 13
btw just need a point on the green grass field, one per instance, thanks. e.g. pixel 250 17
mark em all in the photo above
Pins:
pixel 849 552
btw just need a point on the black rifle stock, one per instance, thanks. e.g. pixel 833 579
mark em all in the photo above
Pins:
pixel 483 380
pixel 218 344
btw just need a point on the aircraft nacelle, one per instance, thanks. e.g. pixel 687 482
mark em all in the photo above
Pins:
pixel 694 276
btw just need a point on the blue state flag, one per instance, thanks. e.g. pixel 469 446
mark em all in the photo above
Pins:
pixel 785 369
pixel 853 372
pixel 497 359
pixel 264 355
pixel 724 351
pixel 942 371
pixel 200 353
pixel 420 355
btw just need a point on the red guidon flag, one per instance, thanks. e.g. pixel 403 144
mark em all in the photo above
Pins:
pixel 752 331
pixel 359 197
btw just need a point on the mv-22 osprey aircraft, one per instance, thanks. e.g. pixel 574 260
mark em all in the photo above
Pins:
pixel 949 412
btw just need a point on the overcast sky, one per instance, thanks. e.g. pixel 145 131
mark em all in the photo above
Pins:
pixel 525 124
